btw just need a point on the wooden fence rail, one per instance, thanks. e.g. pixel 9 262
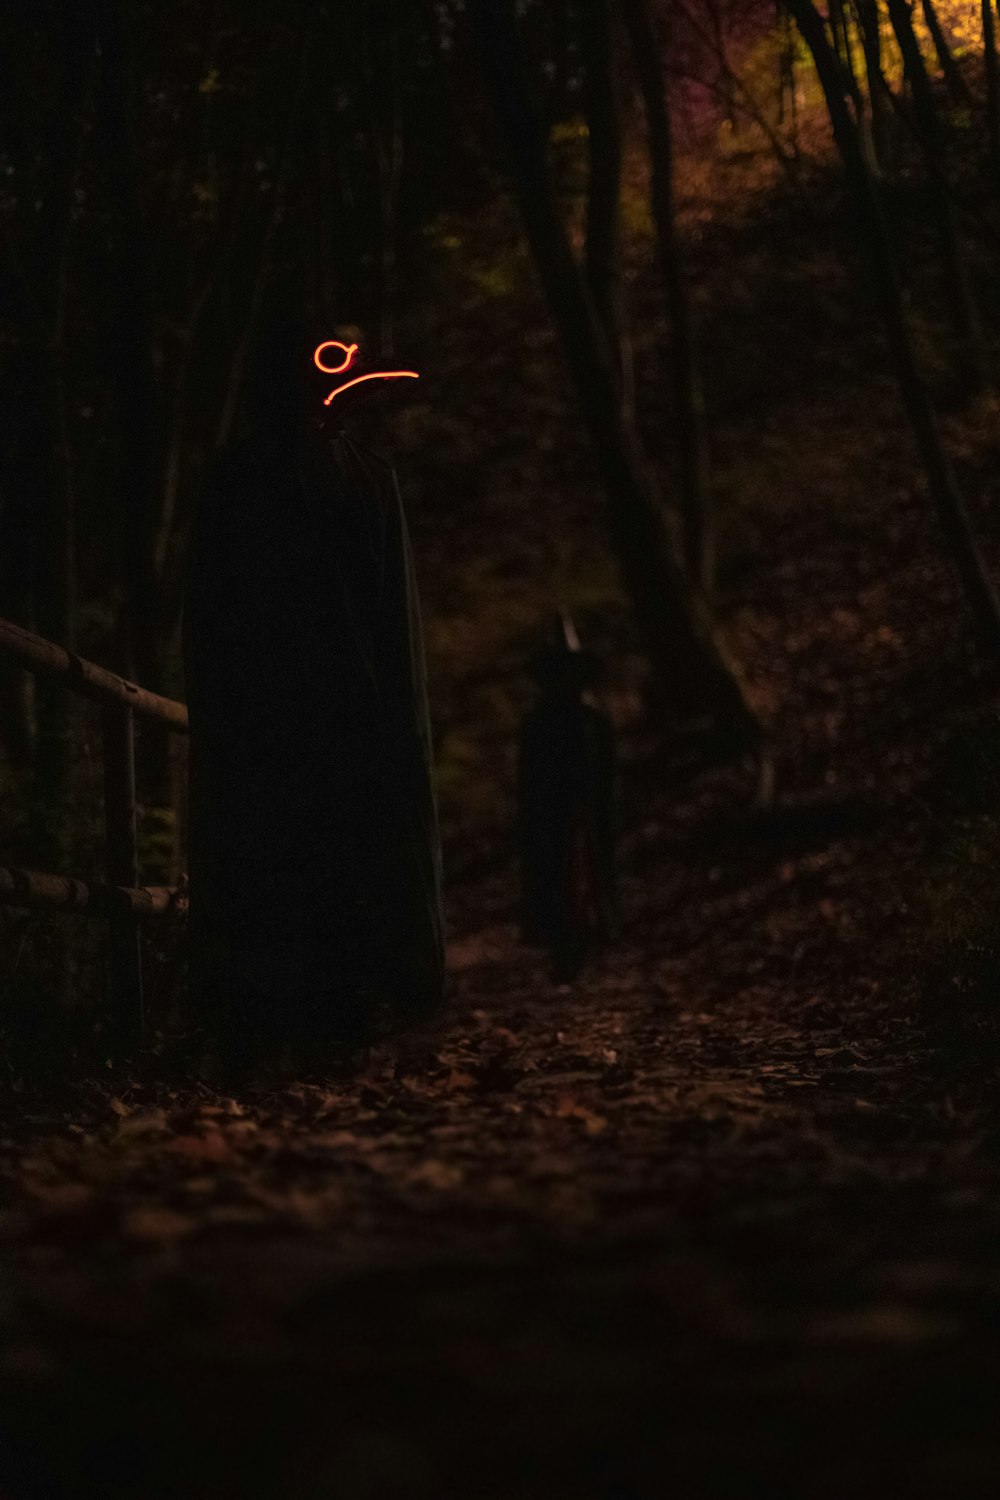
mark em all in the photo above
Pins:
pixel 122 900
pixel 88 679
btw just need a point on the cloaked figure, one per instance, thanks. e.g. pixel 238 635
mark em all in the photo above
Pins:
pixel 566 807
pixel 315 875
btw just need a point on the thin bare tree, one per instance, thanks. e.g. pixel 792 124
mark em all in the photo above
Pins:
pixel 958 90
pixel 971 358
pixel 691 670
pixel 688 395
pixel 602 257
pixel 941 481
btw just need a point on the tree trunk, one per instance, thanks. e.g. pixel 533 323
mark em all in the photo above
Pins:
pixel 941 481
pixel 51 469
pixel 992 73
pixel 238 369
pixel 24 495
pixel 387 137
pixel 788 86
pixel 840 30
pixel 603 251
pixel 55 583
pixel 964 320
pixel 725 68
pixel 143 647
pixel 954 82
pixel 883 119
pixel 691 672
pixel 688 398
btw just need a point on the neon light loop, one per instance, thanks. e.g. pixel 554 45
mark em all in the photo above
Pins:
pixel 349 351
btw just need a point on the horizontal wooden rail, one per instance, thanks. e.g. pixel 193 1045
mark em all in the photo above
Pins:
pixel 88 679
pixel 35 890
pixel 121 900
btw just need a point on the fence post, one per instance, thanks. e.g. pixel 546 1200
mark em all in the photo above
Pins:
pixel 125 969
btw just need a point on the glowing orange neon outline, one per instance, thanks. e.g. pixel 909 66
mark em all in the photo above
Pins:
pixel 350 350
pixel 376 375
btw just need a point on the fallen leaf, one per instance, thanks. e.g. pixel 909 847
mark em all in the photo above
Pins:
pixel 343 1140
pixel 164 1224
pixel 883 1323
pixel 571 1109
pixel 236 1216
pixel 440 1175
pixel 142 1122
pixel 210 1147
pixel 60 1197
pixel 295 1202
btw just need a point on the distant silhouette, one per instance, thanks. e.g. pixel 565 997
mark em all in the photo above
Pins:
pixel 314 854
pixel 566 803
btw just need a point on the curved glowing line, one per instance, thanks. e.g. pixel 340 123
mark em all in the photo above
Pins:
pixel 350 350
pixel 377 375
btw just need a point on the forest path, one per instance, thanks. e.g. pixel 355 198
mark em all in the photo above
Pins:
pixel 713 1219
pixel 719 1220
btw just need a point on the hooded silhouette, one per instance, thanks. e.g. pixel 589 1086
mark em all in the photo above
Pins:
pixel 314 852
pixel 566 804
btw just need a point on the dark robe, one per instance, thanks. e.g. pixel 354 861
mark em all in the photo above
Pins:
pixel 314 853
pixel 566 807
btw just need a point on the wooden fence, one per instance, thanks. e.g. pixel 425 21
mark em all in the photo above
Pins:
pixel 122 901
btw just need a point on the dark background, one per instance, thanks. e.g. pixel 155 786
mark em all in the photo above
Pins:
pixel 721 1218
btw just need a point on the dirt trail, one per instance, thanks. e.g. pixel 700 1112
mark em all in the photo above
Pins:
pixel 592 1241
